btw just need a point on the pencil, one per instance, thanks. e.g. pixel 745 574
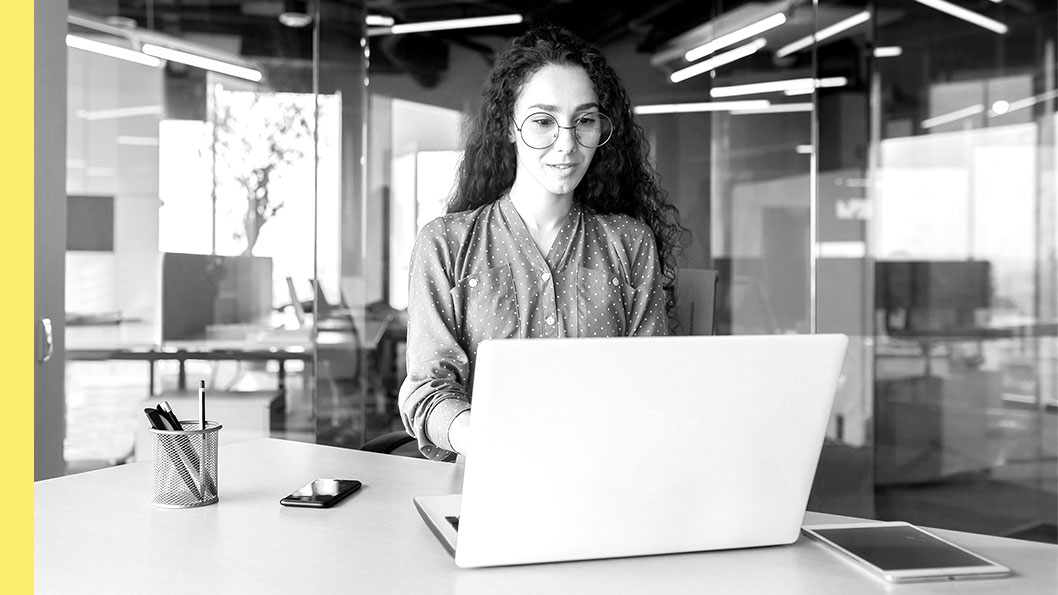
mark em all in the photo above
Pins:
pixel 204 481
pixel 202 404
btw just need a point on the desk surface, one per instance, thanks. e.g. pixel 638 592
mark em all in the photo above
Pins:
pixel 97 532
pixel 137 342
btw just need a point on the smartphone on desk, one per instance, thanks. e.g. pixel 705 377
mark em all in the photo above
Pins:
pixel 321 493
pixel 901 552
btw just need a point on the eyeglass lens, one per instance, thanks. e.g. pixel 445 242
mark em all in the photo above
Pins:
pixel 541 130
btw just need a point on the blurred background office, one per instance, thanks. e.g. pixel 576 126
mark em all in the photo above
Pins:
pixel 244 180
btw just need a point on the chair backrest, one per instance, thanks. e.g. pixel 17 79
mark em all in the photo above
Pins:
pixel 696 301
pixel 299 309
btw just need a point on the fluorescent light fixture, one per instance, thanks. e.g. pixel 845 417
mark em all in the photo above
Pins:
pixel 503 19
pixel 888 51
pixel 717 61
pixel 954 116
pixel 295 20
pixel 768 87
pixel 197 61
pixel 804 149
pixel 377 20
pixel 734 37
pixel 1014 106
pixel 831 81
pixel 106 49
pixel 704 106
pixel 824 33
pixel 967 15
pixel 777 108
pixel 120 112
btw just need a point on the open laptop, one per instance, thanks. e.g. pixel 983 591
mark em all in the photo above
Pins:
pixel 600 448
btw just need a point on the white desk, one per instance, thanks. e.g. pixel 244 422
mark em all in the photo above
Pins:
pixel 97 532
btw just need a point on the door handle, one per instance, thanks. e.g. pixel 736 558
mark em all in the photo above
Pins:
pixel 47 341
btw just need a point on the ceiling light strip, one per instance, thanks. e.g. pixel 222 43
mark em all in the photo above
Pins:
pixel 734 37
pixel 825 82
pixel 377 20
pixel 768 87
pixel 824 33
pixel 493 21
pixel 967 15
pixel 717 61
pixel 954 116
pixel 120 112
pixel 197 61
pixel 1020 104
pixel 888 51
pixel 704 106
pixel 777 108
pixel 106 49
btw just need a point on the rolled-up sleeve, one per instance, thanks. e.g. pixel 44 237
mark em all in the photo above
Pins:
pixel 434 392
pixel 647 315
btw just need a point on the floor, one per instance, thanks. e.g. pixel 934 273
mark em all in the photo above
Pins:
pixel 105 402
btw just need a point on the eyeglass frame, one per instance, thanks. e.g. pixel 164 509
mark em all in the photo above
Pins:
pixel 561 127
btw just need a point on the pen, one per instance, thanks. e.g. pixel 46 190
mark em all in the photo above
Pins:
pixel 166 410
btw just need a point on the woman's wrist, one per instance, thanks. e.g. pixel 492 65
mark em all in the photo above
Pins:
pixel 459 432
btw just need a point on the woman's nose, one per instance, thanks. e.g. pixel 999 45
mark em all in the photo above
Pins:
pixel 567 140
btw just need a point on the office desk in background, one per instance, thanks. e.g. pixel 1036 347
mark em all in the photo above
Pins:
pixel 97 532
pixel 250 345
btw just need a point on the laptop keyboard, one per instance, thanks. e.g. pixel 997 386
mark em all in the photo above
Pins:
pixel 454 521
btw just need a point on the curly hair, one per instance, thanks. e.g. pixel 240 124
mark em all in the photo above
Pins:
pixel 620 179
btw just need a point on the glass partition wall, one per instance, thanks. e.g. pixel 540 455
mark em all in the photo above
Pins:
pixel 963 241
pixel 199 157
pixel 879 168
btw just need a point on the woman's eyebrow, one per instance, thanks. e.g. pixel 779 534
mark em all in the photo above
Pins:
pixel 547 107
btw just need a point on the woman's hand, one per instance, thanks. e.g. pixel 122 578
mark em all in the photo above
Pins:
pixel 459 432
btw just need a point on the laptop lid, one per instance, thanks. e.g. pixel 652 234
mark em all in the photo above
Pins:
pixel 599 448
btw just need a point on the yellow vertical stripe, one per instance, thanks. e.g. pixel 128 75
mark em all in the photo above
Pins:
pixel 16 341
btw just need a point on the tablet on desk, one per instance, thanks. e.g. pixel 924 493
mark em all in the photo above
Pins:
pixel 901 552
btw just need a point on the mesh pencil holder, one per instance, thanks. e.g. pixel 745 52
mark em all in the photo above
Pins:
pixel 185 465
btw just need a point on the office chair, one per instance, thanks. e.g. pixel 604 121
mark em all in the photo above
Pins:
pixel 295 303
pixel 389 443
pixel 696 301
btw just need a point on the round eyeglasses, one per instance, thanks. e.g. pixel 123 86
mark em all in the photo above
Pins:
pixel 540 130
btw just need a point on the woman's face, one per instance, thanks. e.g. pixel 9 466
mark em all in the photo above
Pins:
pixel 566 94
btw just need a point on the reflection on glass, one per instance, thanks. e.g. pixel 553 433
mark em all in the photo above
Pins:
pixel 964 232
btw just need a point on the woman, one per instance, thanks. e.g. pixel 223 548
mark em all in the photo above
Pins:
pixel 557 228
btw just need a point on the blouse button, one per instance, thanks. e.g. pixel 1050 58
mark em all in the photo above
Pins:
pixel 615 281
pixel 547 276
pixel 473 283
pixel 550 320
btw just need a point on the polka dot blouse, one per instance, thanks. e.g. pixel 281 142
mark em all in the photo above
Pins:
pixel 479 275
